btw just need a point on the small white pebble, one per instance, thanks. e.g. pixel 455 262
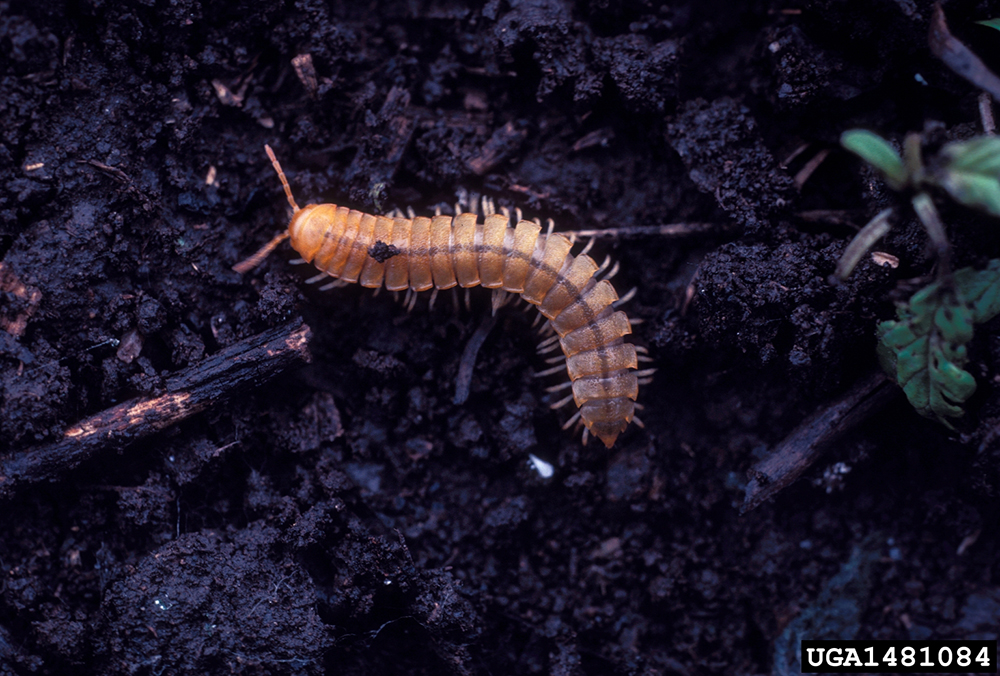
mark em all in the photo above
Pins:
pixel 544 469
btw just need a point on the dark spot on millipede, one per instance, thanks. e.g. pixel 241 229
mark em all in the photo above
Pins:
pixel 382 252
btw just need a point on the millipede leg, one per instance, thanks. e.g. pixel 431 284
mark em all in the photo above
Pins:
pixel 546 329
pixel 626 298
pixel 549 372
pixel 500 298
pixel 548 345
pixel 613 271
pixel 572 421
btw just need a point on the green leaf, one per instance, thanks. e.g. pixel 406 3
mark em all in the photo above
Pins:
pixel 971 173
pixel 877 152
pixel 925 349
pixel 991 23
pixel 981 289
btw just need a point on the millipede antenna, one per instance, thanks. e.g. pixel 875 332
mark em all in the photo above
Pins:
pixel 281 175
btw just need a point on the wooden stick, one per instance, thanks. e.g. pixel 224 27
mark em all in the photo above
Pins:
pixel 250 362
pixel 814 436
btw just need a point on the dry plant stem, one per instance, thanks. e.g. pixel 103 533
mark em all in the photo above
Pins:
pixel 912 160
pixel 250 362
pixel 928 215
pixel 800 449
pixel 463 381
pixel 862 242
pixel 958 57
pixel 986 114
pixel 810 168
pixel 667 230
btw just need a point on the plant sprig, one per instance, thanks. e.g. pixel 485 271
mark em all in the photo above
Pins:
pixel 924 348
pixel 969 171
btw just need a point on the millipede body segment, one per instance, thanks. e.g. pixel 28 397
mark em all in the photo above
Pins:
pixel 441 252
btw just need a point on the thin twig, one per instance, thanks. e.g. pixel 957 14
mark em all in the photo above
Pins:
pixel 463 381
pixel 810 167
pixel 250 362
pixel 668 230
pixel 113 172
pixel 862 243
pixel 814 436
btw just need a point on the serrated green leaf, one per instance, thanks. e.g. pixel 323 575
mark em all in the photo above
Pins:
pixel 991 23
pixel 925 348
pixel 981 289
pixel 877 152
pixel 955 324
pixel 971 173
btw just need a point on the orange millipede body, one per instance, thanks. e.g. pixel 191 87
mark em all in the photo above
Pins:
pixel 441 252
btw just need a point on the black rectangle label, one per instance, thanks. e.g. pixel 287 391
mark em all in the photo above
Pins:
pixel 899 657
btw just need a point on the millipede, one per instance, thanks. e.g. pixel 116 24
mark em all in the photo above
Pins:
pixel 417 254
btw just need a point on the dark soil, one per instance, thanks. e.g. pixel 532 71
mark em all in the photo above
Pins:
pixel 348 517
